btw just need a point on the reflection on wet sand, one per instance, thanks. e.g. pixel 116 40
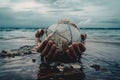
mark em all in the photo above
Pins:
pixel 60 71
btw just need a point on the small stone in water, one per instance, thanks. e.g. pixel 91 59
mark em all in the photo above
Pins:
pixel 95 66
pixel 104 69
pixel 3 51
pixel 33 60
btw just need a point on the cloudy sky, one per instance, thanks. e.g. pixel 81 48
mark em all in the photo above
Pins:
pixel 41 13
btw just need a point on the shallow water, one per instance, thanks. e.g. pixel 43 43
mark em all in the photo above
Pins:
pixel 19 68
pixel 106 55
pixel 102 49
pixel 17 37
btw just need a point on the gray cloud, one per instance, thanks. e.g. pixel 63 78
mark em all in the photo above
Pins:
pixel 45 12
pixel 6 14
pixel 114 21
pixel 46 1
pixel 65 10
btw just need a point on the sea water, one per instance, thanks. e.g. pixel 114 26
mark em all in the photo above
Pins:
pixel 102 48
pixel 15 37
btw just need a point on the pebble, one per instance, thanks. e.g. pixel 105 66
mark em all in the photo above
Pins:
pixel 33 60
pixel 95 66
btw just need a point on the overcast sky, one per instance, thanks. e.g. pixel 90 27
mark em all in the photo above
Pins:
pixel 41 13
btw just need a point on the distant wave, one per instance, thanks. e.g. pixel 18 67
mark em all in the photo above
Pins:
pixel 6 38
pixel 35 28
pixel 101 28
pixel 16 28
pixel 104 41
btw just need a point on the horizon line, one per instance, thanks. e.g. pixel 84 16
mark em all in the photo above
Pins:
pixel 46 27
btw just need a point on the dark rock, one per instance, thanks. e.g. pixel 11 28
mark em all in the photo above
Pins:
pixel 2 55
pixel 95 66
pixel 24 50
pixel 3 51
pixel 104 69
pixel 33 60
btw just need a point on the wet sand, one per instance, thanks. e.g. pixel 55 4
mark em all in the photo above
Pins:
pixel 99 62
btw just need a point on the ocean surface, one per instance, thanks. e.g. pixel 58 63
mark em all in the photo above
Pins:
pixel 15 37
pixel 103 49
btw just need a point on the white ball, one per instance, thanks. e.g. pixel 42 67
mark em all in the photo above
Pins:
pixel 63 34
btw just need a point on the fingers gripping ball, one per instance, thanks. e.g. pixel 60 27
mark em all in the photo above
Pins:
pixel 39 33
pixel 40 47
pixel 83 36
pixel 82 47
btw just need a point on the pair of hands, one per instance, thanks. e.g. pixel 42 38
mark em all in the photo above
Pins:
pixel 50 50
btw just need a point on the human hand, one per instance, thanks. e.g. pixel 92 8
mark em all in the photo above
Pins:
pixel 39 34
pixel 83 37
pixel 48 49
pixel 75 50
